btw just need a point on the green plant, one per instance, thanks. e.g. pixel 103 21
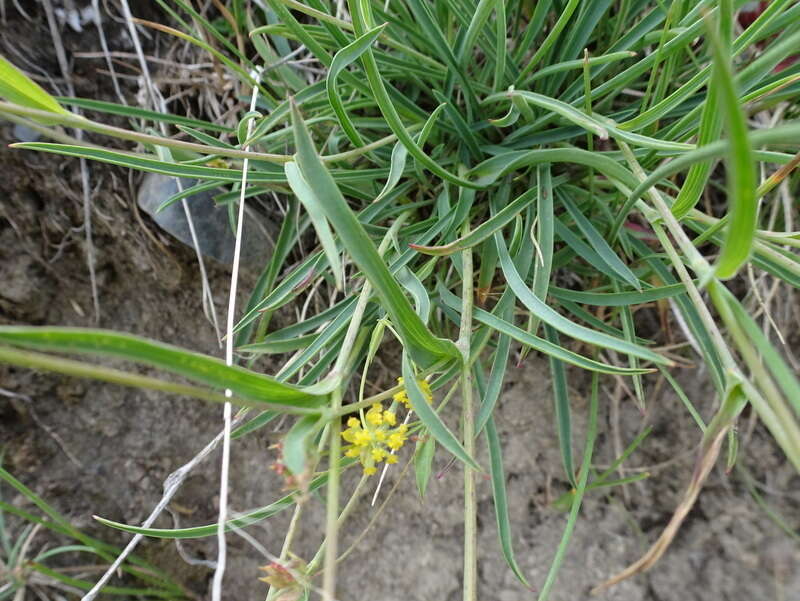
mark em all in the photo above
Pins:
pixel 24 565
pixel 454 160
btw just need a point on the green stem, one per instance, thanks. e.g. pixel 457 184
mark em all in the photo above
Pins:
pixel 325 547
pixel 287 544
pixel 9 110
pixel 470 501
pixel 774 411
pixel 332 503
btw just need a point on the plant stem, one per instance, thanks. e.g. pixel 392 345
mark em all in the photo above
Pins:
pixel 348 509
pixel 287 544
pixel 332 502
pixel 470 501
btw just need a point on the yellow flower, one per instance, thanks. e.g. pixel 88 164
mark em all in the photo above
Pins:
pixel 402 396
pixel 426 389
pixel 375 414
pixel 396 440
pixel 362 438
pixel 373 438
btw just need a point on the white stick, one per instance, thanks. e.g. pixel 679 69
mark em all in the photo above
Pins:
pixel 157 103
pixel 216 588
pixel 171 486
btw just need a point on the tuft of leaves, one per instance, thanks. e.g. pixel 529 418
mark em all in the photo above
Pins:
pixel 481 180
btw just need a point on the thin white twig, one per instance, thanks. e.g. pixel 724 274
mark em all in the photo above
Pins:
pixel 216 588
pixel 176 479
pixel 85 185
pixel 386 468
pixel 104 45
pixel 171 486
pixel 157 102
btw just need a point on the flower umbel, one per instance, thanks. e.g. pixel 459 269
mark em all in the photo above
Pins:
pixel 402 396
pixel 373 438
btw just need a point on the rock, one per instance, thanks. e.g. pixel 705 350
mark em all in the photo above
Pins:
pixel 212 225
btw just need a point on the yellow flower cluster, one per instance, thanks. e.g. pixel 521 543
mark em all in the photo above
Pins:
pixel 402 397
pixel 373 438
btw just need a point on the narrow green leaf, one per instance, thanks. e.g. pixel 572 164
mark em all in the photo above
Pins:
pixel 186 193
pixel 560 323
pixel 490 170
pixel 297 442
pixel 258 422
pixel 451 301
pixel 205 138
pixel 583 250
pixel 710 129
pixel 316 213
pixel 397 165
pixel 291 285
pixel 544 239
pixel 424 347
pixel 275 347
pixel 580 489
pixel 484 230
pixel 509 119
pixel 430 419
pixel 495 384
pixel 266 280
pixel 16 87
pixel 617 299
pixel 416 289
pixel 144 162
pixel 466 135
pixel 501 44
pixel 567 111
pixel 79 369
pixel 580 62
pixel 741 167
pixel 599 244
pixel 199 368
pixel 85 585
pixel 134 112
pixel 243 521
pixel 629 331
pixel 552 37
pixel 562 408
pixel 501 500
pixel 341 60
pixel 423 463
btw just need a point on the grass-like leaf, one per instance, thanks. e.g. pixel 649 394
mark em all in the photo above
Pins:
pixel 742 201
pixel 431 420
pixel 243 521
pixel 340 61
pixel 16 87
pixel 199 368
pixel 560 323
pixel 501 500
pixel 423 346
